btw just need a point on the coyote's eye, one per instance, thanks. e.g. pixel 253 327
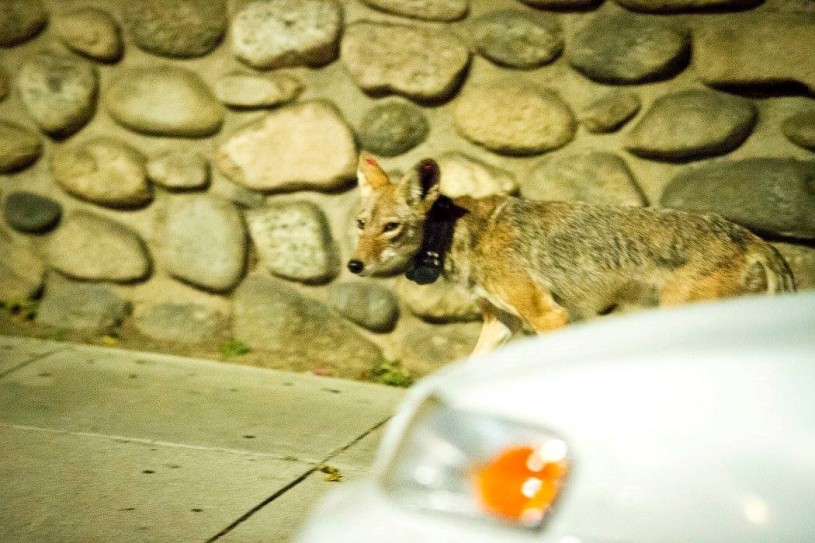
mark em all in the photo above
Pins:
pixel 360 224
pixel 391 226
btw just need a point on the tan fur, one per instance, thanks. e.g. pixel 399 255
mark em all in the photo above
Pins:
pixel 545 264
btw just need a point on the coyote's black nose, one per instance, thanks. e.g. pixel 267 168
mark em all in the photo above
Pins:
pixel 355 266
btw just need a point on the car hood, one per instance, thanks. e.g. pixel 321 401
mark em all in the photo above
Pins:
pixel 696 422
pixel 727 331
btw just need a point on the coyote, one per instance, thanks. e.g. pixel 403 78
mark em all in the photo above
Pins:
pixel 545 264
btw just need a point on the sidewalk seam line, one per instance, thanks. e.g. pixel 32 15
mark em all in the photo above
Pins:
pixel 144 441
pixel 243 518
pixel 261 505
pixel 32 360
pixel 371 430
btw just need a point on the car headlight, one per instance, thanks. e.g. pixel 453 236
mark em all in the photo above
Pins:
pixel 476 465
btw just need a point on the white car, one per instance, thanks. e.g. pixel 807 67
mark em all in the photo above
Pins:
pixel 692 424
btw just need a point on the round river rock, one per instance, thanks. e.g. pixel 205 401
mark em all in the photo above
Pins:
pixel 590 176
pixel 774 195
pixel 623 48
pixel 429 10
pixel 59 91
pixel 393 58
pixel 22 20
pixel 518 39
pixel 176 28
pixel 287 33
pixel 514 118
pixel 301 146
pixel 88 246
pixel 31 213
pixel 19 147
pixel 164 101
pixel 692 124
pixel 393 128
pixel 294 241
pixel 242 90
pixel 800 129
pixel 91 32
pixel 204 241
pixel 103 170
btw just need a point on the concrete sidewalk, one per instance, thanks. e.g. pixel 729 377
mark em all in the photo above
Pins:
pixel 102 444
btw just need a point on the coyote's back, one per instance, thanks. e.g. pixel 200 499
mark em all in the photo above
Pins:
pixel 595 260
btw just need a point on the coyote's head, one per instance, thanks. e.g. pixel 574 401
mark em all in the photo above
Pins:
pixel 391 216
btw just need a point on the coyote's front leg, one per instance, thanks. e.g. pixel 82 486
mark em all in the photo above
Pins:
pixel 497 329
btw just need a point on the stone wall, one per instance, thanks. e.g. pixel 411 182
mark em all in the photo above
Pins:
pixel 186 168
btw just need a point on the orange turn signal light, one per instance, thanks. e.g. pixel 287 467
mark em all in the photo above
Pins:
pixel 521 483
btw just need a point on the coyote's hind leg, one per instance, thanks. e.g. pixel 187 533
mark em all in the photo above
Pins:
pixel 688 287
pixel 534 304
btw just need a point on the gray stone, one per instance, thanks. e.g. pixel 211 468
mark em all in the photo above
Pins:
pixel 204 241
pixel 756 49
pixel 610 112
pixel 22 20
pixel 294 241
pixel 623 48
pixel 439 302
pixel 588 176
pixel 164 101
pixel 773 195
pixel 5 83
pixel 368 304
pixel 242 90
pixel 246 198
pixel 802 7
pixel 243 197
pixel 176 28
pixel 518 39
pixel 90 247
pixel 463 175
pixel 81 306
pixel 393 58
pixel 31 213
pixel 184 323
pixel 514 118
pixel 287 33
pixel 800 129
pixel 91 32
pixel 301 146
pixel 674 6
pixel 429 10
pixel 298 331
pixel 562 4
pixel 19 147
pixel 801 259
pixel 21 270
pixel 104 171
pixel 393 128
pixel 424 348
pixel 59 91
pixel 692 124
pixel 179 170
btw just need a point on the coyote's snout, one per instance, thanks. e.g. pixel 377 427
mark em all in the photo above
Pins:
pixel 544 264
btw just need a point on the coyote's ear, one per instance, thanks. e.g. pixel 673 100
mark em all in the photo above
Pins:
pixel 422 184
pixel 370 175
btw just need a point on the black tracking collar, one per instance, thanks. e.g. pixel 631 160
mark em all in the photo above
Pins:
pixel 428 263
